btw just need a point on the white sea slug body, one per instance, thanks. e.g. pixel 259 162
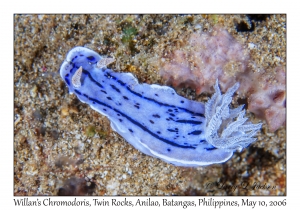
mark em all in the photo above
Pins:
pixel 154 119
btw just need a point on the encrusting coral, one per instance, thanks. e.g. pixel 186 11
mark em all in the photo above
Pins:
pixel 208 56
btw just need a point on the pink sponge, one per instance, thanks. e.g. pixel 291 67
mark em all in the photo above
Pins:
pixel 269 99
pixel 204 58
pixel 208 56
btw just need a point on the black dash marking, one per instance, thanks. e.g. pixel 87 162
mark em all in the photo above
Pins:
pixel 182 102
pixel 189 122
pixel 67 81
pixel 120 120
pixel 104 109
pixel 107 76
pixel 118 114
pixel 156 116
pixel 109 98
pixel 167 119
pixel 170 110
pixel 171 130
pixel 91 58
pixel 173 115
pixel 91 78
pixel 114 78
pixel 198 132
pixel 201 141
pixel 122 83
pixel 74 58
pixel 156 94
pixel 115 88
pixel 151 121
pixel 169 150
pixel 158 132
pixel 85 95
pixel 103 91
pixel 74 67
pixel 76 91
pixel 213 148
pixel 125 98
pixel 130 130
pixel 137 106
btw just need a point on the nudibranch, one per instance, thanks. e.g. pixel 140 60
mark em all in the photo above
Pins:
pixel 154 119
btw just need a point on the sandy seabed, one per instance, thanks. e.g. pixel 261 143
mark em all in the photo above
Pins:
pixel 63 147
